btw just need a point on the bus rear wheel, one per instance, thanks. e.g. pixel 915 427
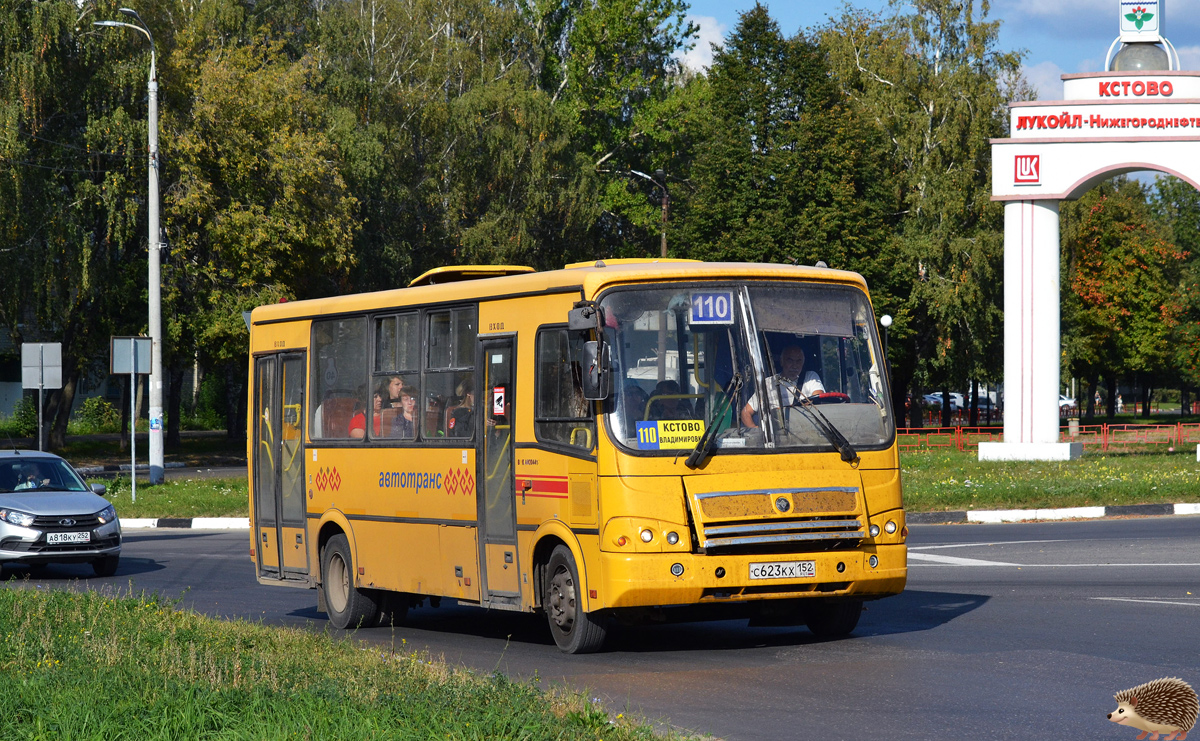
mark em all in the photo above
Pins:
pixel 575 631
pixel 833 619
pixel 346 605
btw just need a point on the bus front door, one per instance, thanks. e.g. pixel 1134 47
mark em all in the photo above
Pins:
pixel 279 510
pixel 497 510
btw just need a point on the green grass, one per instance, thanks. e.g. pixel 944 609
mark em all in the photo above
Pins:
pixel 86 665
pixel 208 497
pixel 938 481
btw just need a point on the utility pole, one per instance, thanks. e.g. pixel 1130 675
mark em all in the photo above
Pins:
pixel 662 183
pixel 155 256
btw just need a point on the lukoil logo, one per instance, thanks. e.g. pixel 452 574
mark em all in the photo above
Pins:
pixel 1028 169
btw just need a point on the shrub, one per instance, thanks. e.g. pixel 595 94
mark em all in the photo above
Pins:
pixel 98 415
pixel 24 417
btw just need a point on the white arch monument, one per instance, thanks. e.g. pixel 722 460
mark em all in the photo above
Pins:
pixel 1108 124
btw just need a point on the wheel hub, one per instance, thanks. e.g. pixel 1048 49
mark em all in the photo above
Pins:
pixel 562 600
pixel 339 583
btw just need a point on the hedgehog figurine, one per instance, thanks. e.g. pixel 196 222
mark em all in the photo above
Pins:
pixel 1163 706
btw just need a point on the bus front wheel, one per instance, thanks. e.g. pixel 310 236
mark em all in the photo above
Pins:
pixel 347 606
pixel 575 631
pixel 833 619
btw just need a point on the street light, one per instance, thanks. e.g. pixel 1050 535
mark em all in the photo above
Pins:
pixel 661 182
pixel 885 321
pixel 155 284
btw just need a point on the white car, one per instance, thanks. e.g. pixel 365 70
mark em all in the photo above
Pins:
pixel 1066 404
pixel 49 515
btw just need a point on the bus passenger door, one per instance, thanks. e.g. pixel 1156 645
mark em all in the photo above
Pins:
pixel 279 509
pixel 497 511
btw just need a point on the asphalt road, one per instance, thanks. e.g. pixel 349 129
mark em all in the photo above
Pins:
pixel 1005 631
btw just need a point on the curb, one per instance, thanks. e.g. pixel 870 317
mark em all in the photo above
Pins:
pixel 196 523
pixel 1068 513
pixel 114 468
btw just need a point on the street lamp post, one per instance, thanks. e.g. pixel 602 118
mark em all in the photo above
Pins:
pixel 885 321
pixel 155 280
pixel 661 183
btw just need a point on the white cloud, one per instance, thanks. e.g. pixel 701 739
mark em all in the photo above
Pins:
pixel 1189 57
pixel 1046 78
pixel 700 57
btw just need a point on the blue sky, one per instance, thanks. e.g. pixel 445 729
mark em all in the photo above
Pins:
pixel 1060 36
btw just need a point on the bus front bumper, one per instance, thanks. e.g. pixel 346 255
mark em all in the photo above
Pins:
pixel 650 580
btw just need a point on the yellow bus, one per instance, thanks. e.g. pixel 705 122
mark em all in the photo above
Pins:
pixel 623 439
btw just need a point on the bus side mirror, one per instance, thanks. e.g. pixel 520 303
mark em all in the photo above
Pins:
pixel 583 318
pixel 596 373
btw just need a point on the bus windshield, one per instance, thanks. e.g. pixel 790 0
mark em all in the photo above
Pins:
pixel 791 359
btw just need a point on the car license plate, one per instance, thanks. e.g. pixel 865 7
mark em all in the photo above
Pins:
pixel 784 570
pixel 56 538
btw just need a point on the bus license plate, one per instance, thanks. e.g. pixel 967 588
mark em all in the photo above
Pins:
pixel 784 570
pixel 55 538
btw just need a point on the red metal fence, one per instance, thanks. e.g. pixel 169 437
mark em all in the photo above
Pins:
pixel 1102 438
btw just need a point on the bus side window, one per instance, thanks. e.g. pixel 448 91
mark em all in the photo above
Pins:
pixel 561 414
pixel 339 366
pixel 451 357
pixel 397 365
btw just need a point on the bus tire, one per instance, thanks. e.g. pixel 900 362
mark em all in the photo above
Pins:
pixel 346 605
pixel 834 618
pixel 575 631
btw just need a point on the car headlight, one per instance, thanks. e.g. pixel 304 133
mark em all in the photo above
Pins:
pixel 24 519
pixel 107 515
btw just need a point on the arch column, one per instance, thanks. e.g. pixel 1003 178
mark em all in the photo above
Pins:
pixel 1032 358
pixel 1032 355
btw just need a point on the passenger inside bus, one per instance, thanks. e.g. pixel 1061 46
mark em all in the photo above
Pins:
pixel 404 425
pixel 634 406
pixel 358 423
pixel 460 417
pixel 667 402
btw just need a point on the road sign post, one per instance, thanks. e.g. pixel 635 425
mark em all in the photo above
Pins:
pixel 41 368
pixel 131 355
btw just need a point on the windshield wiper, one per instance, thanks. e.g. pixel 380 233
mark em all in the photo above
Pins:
pixel 822 423
pixel 704 447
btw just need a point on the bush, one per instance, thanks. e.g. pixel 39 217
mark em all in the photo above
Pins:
pixel 24 417
pixel 98 415
pixel 209 413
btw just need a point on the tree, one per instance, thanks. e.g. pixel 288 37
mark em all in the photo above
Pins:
pixel 786 172
pixel 1176 204
pixel 1121 310
pixel 256 207
pixel 934 83
pixel 73 167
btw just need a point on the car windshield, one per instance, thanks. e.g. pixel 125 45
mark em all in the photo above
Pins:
pixel 40 474
pixel 678 351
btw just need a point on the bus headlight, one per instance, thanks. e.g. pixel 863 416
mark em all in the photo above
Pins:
pixel 874 560
pixel 874 530
pixel 672 537
pixel 890 527
pixel 647 536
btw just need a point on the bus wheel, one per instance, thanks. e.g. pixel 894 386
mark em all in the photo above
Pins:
pixel 575 631
pixel 347 606
pixel 833 619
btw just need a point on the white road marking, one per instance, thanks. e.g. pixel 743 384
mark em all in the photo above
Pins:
pixel 1151 600
pixel 955 561
pixel 976 545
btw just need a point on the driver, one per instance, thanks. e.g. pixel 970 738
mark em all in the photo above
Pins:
pixel 31 477
pixel 780 385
